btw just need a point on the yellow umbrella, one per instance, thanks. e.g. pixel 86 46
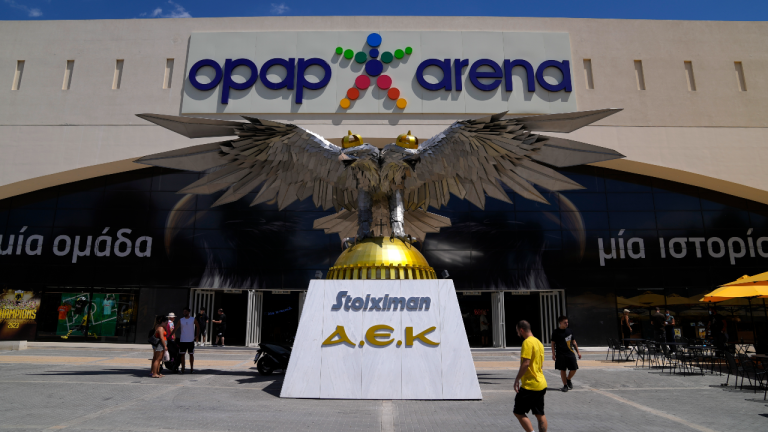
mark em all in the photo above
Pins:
pixel 647 298
pixel 760 279
pixel 748 287
pixel 736 291
pixel 744 287
pixel 675 299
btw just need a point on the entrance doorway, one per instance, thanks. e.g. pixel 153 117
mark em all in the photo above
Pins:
pixel 280 316
pixel 477 314
pixel 235 306
pixel 253 316
pixel 539 308
pixel 203 299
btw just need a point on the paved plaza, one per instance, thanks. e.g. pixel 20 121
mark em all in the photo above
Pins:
pixel 55 388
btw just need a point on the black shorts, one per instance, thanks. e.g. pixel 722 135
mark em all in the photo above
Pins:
pixel 566 363
pixel 529 400
pixel 202 331
pixel 221 331
pixel 187 347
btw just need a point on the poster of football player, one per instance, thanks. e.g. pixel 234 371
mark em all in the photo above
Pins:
pixel 75 313
pixel 18 314
pixel 104 314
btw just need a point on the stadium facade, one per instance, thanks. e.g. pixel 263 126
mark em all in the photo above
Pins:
pixel 100 244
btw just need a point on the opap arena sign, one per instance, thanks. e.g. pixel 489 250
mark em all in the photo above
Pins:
pixel 378 72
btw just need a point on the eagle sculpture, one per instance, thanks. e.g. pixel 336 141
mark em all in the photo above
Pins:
pixel 470 159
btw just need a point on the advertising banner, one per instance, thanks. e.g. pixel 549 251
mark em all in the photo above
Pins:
pixel 94 315
pixel 73 313
pixel 18 314
pixel 381 339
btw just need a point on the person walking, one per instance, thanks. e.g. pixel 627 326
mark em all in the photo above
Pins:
pixel 669 327
pixel 159 347
pixel 626 328
pixel 530 384
pixel 659 321
pixel 202 323
pixel 563 346
pixel 717 328
pixel 188 332
pixel 221 328
pixel 484 330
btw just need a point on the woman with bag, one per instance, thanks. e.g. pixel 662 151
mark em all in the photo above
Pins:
pixel 157 337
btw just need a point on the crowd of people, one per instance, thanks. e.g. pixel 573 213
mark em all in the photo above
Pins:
pixel 663 325
pixel 172 341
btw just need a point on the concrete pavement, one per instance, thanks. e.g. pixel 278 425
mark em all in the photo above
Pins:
pixel 71 388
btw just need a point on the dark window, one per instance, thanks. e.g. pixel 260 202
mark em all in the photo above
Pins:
pixel 23 217
pixel 726 219
pixel 591 220
pixel 679 219
pixel 674 201
pixel 630 201
pixel 538 220
pixel 632 220
pixel 583 202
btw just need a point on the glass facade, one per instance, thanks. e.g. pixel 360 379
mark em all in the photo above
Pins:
pixel 623 242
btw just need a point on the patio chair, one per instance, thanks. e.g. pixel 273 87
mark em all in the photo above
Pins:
pixel 711 357
pixel 691 358
pixel 669 359
pixel 652 352
pixel 732 368
pixel 624 353
pixel 642 352
pixel 751 371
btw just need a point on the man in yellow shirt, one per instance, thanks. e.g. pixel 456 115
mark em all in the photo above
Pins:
pixel 530 383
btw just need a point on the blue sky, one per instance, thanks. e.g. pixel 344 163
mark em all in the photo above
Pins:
pixel 723 10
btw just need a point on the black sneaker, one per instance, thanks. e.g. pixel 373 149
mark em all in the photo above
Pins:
pixel 564 389
pixel 570 385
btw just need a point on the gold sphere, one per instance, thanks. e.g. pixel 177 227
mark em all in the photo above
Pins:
pixel 407 141
pixel 351 140
pixel 381 258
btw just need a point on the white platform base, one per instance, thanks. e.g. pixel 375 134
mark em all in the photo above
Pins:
pixel 381 363
pixel 13 345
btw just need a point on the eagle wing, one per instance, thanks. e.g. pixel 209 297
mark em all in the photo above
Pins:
pixel 292 163
pixel 471 158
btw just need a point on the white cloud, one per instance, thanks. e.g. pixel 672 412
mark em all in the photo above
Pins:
pixel 176 11
pixel 279 8
pixel 32 12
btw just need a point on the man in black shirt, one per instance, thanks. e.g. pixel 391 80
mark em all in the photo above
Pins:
pixel 221 329
pixel 202 324
pixel 718 328
pixel 563 346
pixel 659 321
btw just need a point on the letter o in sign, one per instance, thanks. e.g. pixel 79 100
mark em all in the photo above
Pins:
pixel 357 303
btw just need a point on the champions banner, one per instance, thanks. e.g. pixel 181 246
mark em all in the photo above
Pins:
pixel 18 314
